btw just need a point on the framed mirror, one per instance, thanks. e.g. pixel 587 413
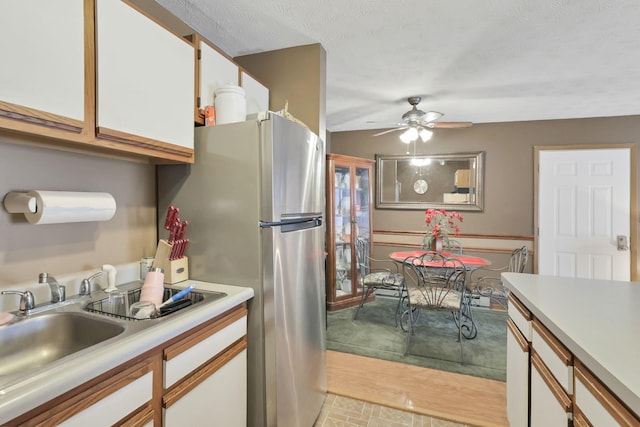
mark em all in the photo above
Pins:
pixel 439 181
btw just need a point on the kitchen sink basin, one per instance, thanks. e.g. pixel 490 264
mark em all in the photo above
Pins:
pixel 37 341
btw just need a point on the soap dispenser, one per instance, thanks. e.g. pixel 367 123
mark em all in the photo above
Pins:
pixel 111 272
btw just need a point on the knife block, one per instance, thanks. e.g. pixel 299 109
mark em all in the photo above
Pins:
pixel 174 271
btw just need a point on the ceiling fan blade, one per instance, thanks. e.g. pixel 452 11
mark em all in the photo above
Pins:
pixel 430 116
pixel 449 125
pixel 389 131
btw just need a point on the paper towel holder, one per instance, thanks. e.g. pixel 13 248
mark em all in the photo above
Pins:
pixel 76 206
pixel 15 202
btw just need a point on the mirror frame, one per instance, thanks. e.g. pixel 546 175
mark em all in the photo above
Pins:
pixel 477 204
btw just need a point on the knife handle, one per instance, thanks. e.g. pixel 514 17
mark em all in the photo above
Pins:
pixel 172 215
pixel 183 229
pixel 175 228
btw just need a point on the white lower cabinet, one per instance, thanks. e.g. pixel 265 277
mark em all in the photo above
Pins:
pixel 517 377
pixel 550 405
pixel 219 399
pixel 206 376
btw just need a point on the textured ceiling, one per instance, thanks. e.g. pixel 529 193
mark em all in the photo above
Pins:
pixel 480 61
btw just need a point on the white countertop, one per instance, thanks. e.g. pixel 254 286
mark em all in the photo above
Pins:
pixel 78 368
pixel 597 320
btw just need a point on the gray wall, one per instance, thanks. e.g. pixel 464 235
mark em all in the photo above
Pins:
pixel 27 250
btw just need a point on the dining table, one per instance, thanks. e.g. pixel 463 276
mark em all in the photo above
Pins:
pixel 470 262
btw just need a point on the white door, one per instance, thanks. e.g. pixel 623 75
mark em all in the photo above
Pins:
pixel 583 209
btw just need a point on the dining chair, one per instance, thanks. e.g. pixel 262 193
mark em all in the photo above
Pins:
pixel 487 282
pixel 435 282
pixel 385 275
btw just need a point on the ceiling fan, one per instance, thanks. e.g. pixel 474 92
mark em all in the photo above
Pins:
pixel 416 123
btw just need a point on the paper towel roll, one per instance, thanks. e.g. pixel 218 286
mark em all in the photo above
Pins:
pixel 55 207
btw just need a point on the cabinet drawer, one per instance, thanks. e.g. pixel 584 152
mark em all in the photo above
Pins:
pixel 554 354
pixel 520 316
pixel 110 409
pixel 187 355
pixel 597 404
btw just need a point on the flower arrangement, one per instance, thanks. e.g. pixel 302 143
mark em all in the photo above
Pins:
pixel 440 224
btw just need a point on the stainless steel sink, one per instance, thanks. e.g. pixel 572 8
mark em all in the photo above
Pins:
pixel 53 333
pixel 37 341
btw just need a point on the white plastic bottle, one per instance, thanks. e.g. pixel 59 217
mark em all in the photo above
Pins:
pixel 230 104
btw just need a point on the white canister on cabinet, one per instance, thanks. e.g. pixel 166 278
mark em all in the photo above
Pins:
pixel 230 103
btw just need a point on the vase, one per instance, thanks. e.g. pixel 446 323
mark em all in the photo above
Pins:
pixel 436 244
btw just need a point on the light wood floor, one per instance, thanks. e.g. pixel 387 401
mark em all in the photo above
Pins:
pixel 460 398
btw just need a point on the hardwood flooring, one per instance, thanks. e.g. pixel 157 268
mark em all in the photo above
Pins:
pixel 459 398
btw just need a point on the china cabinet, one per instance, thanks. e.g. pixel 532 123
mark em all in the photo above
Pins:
pixel 349 207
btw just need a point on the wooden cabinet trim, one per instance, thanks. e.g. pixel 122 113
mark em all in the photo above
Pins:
pixel 89 68
pixel 520 307
pixel 40 118
pixel 138 418
pixel 144 143
pixel 558 348
pixel 67 405
pixel 579 420
pixel 349 159
pixel 183 387
pixel 607 399
pixel 521 340
pixel 555 388
pixel 204 331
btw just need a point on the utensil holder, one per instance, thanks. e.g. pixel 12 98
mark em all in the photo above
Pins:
pixel 174 271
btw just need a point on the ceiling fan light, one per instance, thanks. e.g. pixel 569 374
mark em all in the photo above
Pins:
pixel 409 135
pixel 425 134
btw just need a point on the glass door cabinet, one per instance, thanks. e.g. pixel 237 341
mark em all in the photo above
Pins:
pixel 349 206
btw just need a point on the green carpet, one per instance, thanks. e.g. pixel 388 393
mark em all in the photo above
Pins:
pixel 434 345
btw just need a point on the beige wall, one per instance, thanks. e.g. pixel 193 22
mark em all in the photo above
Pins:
pixel 509 148
pixel 27 250
pixel 296 74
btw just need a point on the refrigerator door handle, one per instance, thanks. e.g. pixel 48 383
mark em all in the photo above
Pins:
pixel 293 224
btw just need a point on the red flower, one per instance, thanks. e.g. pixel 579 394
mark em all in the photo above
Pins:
pixel 441 223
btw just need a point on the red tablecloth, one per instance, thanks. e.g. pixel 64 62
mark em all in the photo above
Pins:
pixel 468 261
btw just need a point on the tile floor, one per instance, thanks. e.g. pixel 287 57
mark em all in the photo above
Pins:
pixel 341 411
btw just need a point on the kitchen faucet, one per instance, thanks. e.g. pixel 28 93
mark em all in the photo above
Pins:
pixel 57 290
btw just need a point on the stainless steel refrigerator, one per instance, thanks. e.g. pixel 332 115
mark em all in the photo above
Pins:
pixel 254 199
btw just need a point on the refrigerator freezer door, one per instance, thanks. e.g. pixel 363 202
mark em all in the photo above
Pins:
pixel 292 170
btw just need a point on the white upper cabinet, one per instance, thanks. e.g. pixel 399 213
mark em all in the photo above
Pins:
pixel 43 61
pixel 216 70
pixel 145 79
pixel 256 93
